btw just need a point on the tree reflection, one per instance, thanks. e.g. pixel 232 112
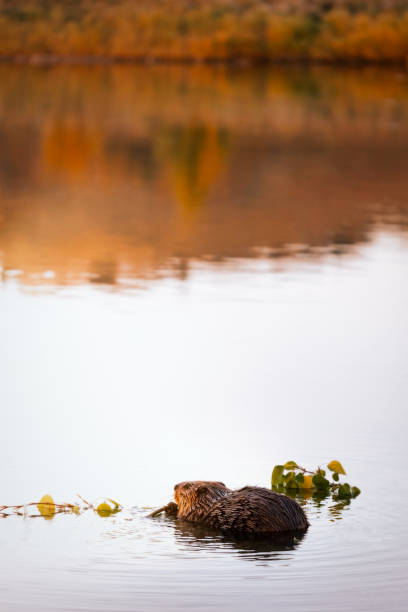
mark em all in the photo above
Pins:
pixel 195 155
pixel 145 168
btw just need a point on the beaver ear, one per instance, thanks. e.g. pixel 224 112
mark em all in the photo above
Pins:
pixel 202 489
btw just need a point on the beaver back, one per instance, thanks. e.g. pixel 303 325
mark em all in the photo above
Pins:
pixel 256 511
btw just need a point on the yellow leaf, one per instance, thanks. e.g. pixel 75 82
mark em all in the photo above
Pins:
pixel 46 507
pixel 307 482
pixel 104 509
pixel 335 466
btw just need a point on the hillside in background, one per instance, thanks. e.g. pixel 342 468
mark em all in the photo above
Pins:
pixel 204 30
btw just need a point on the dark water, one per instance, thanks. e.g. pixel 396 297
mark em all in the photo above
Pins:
pixel 203 274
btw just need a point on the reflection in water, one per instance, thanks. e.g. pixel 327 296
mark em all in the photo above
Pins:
pixel 190 536
pixel 254 549
pixel 116 173
pixel 315 501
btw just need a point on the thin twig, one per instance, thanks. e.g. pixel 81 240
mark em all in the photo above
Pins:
pixel 84 500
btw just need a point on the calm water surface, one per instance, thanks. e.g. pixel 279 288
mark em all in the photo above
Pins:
pixel 203 274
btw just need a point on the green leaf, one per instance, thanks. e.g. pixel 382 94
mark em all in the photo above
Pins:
pixel 300 478
pixel 355 491
pixel 320 482
pixel 336 476
pixel 290 465
pixel 335 466
pixel 288 478
pixel 292 484
pixel 344 491
pixel 277 475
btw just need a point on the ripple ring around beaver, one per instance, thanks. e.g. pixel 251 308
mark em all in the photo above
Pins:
pixel 246 512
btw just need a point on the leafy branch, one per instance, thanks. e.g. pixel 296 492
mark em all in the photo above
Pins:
pixel 292 476
pixel 47 508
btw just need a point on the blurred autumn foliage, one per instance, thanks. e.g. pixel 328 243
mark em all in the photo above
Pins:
pixel 203 30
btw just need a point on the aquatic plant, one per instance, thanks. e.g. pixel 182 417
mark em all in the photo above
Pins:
pixel 48 508
pixel 291 476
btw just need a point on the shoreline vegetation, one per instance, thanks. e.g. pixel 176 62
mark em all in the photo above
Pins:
pixel 105 31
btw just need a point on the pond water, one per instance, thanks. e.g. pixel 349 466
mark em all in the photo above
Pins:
pixel 203 274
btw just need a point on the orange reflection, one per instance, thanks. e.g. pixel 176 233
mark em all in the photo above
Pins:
pixel 133 172
pixel 69 147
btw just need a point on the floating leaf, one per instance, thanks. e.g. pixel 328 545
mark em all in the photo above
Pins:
pixel 336 476
pixel 46 507
pixel 104 509
pixel 355 491
pixel 335 466
pixel 277 475
pixel 290 465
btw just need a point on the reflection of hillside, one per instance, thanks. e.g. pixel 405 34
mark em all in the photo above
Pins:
pixel 120 171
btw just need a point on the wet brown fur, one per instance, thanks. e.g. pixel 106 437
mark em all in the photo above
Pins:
pixel 196 498
pixel 247 512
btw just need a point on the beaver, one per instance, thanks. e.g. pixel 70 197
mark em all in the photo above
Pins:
pixel 247 512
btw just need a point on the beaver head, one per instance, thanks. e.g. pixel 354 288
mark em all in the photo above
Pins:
pixel 195 498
